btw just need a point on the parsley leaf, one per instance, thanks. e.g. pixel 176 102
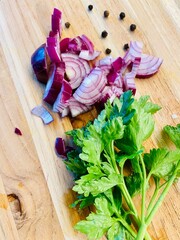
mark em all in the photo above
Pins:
pixel 116 232
pixel 133 183
pixel 97 224
pixel 174 134
pixel 161 162
pixel 96 184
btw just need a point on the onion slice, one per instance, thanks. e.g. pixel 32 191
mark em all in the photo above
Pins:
pixel 129 77
pixel 54 83
pixel 42 112
pixel 40 63
pixel 64 43
pixel 149 65
pixel 60 147
pixel 63 97
pixel 85 54
pixel 77 108
pixel 91 87
pixel 18 131
pixel 134 51
pixel 53 48
pixel 56 21
pixel 76 68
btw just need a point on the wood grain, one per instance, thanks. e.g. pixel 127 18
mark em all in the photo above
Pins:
pixel 30 168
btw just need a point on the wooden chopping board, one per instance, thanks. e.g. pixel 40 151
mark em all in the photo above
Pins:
pixel 35 187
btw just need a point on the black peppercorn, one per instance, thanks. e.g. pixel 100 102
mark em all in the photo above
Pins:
pixel 90 7
pixel 132 27
pixel 106 14
pixel 67 24
pixel 126 46
pixel 122 15
pixel 104 34
pixel 108 51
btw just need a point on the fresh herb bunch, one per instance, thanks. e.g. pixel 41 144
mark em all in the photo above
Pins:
pixel 103 148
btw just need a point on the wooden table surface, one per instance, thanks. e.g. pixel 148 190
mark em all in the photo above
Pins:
pixel 35 187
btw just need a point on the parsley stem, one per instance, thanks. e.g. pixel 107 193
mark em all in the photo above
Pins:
pixel 162 196
pixel 143 189
pixel 127 226
pixel 153 198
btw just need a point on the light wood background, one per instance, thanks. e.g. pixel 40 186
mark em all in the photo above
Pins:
pixel 35 187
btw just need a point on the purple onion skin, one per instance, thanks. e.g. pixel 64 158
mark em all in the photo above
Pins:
pixel 40 64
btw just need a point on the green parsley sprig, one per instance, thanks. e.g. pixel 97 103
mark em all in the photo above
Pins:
pixel 103 148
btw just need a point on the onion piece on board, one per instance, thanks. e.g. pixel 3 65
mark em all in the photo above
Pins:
pixel 18 131
pixel 54 83
pixel 135 51
pixel 149 65
pixel 63 97
pixel 56 21
pixel 42 112
pixel 40 63
pixel 85 54
pixel 91 87
pixel 129 83
pixel 60 147
pixel 77 108
pixel 76 68
pixel 53 48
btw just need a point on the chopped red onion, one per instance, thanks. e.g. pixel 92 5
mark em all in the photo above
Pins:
pixel 77 108
pixel 56 21
pixel 87 44
pixel 60 147
pixel 76 68
pixel 64 43
pixel 85 54
pixel 42 112
pixel 149 65
pixel 91 87
pixel 40 64
pixel 63 97
pixel 134 51
pixel 18 131
pixel 129 77
pixel 53 48
pixel 54 83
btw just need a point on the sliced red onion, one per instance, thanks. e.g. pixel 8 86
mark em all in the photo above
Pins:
pixel 118 91
pixel 64 43
pixel 60 147
pixel 134 51
pixel 77 108
pixel 75 45
pixel 53 48
pixel 129 82
pixel 85 54
pixel 42 112
pixel 76 68
pixel 105 62
pixel 40 64
pixel 117 64
pixel 63 97
pixel 79 43
pixel 119 81
pixel 54 83
pixel 111 77
pixel 65 112
pixel 149 65
pixel 56 21
pixel 18 131
pixel 91 87
pixel 87 44
pixel 107 93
